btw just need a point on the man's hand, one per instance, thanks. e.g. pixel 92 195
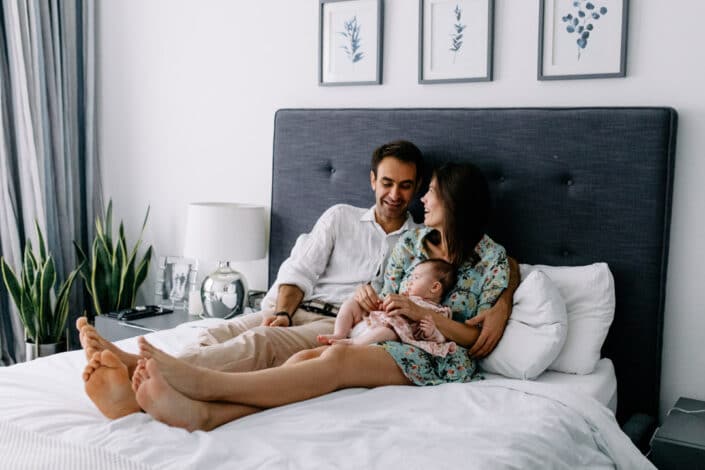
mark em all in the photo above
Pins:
pixel 272 320
pixel 493 321
pixel 367 298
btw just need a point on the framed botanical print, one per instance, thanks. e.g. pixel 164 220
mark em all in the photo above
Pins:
pixel 582 39
pixel 455 40
pixel 350 42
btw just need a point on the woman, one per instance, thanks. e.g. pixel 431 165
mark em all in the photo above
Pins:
pixel 456 212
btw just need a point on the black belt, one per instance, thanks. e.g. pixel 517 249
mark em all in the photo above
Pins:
pixel 318 306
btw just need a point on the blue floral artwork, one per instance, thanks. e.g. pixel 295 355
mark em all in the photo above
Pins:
pixel 351 35
pixel 581 21
pixel 457 36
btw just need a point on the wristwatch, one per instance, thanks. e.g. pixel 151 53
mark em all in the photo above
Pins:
pixel 284 313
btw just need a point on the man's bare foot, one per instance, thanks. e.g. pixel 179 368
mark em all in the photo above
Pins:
pixel 329 339
pixel 107 384
pixel 184 377
pixel 165 404
pixel 92 342
pixel 139 376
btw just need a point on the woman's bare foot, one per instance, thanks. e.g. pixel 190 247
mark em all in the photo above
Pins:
pixel 139 376
pixel 107 384
pixel 184 377
pixel 92 342
pixel 329 339
pixel 165 404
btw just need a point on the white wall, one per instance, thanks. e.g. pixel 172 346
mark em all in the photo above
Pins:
pixel 188 90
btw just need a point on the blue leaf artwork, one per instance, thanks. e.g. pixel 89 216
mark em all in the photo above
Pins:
pixel 351 33
pixel 580 21
pixel 456 37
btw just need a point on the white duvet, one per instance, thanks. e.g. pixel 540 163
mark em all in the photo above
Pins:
pixel 46 421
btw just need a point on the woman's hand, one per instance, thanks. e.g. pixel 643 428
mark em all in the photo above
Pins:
pixel 493 321
pixel 395 304
pixel 367 298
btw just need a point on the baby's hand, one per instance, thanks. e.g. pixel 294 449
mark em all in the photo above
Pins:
pixel 427 326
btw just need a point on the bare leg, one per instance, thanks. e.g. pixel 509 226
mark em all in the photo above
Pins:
pixel 349 315
pixel 107 384
pixel 165 404
pixel 371 336
pixel 92 342
pixel 337 367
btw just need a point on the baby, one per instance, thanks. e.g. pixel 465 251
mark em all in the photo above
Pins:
pixel 427 284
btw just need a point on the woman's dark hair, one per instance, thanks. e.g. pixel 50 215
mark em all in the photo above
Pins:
pixel 402 150
pixel 463 191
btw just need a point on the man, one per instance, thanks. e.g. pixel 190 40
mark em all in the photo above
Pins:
pixel 347 248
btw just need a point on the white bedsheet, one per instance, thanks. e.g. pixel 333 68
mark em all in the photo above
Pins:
pixel 497 423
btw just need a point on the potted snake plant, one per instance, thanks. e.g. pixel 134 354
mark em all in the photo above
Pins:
pixel 113 274
pixel 42 311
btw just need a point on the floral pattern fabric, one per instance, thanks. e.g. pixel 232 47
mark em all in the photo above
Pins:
pixel 477 288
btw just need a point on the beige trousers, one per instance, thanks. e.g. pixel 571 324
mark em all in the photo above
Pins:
pixel 242 344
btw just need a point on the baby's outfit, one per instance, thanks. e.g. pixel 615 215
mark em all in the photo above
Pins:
pixel 410 332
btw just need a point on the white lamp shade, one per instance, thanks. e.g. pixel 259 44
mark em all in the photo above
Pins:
pixel 221 231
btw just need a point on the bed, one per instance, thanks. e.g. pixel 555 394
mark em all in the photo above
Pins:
pixel 571 186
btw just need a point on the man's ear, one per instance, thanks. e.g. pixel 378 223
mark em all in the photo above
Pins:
pixel 373 179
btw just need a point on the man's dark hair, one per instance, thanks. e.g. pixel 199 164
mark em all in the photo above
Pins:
pixel 402 150
pixel 445 272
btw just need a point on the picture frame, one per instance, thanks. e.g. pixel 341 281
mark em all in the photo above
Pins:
pixel 580 39
pixel 456 41
pixel 175 279
pixel 350 42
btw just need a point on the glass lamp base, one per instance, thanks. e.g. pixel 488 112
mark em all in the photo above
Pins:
pixel 224 292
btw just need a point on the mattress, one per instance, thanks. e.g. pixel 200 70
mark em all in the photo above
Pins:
pixel 45 417
pixel 600 385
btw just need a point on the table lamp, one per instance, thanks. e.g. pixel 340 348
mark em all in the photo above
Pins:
pixel 224 232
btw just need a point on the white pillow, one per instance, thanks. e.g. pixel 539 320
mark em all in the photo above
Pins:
pixel 535 332
pixel 589 297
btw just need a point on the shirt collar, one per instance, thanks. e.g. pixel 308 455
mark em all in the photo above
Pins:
pixel 369 216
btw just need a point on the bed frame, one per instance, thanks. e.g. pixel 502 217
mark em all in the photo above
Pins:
pixel 571 186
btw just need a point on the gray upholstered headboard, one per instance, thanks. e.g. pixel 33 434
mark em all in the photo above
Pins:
pixel 571 186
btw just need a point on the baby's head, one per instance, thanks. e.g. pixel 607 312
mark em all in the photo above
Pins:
pixel 431 279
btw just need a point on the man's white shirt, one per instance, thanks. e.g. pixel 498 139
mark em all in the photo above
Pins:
pixel 346 248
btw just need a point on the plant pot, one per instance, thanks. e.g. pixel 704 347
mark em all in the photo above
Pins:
pixel 33 351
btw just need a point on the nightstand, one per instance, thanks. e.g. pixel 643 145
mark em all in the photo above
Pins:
pixel 113 329
pixel 680 441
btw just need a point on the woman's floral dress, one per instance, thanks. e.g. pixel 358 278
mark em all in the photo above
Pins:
pixel 477 289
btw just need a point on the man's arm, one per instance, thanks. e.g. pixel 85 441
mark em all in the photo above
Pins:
pixel 289 297
pixel 495 319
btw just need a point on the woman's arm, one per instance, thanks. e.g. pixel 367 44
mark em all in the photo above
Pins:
pixel 494 320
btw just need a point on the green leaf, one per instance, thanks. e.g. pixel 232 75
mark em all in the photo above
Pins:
pixel 109 224
pixel 11 282
pixel 141 274
pixel 118 273
pixel 30 265
pixel 103 293
pixel 29 316
pixel 127 284
pixel 46 289
pixel 61 310
pixel 42 244
pixel 85 268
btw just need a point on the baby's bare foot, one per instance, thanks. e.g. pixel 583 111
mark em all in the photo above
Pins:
pixel 92 342
pixel 107 384
pixel 343 341
pixel 329 339
pixel 184 377
pixel 167 405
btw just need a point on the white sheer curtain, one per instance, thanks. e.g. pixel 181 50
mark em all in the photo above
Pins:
pixel 48 160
